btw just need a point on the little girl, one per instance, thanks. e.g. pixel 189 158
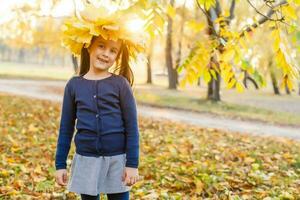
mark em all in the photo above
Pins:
pixel 107 139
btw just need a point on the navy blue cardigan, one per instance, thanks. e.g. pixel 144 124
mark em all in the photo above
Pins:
pixel 106 116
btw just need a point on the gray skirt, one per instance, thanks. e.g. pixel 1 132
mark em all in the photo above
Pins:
pixel 95 175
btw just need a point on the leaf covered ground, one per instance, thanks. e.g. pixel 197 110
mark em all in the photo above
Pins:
pixel 177 161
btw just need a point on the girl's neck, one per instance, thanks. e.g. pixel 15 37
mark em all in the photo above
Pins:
pixel 94 74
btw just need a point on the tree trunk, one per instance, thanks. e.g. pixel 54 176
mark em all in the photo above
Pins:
pixel 149 66
pixel 177 62
pixel 75 63
pixel 178 56
pixel 168 50
pixel 2 52
pixel 213 13
pixel 274 83
pixel 199 82
pixel 213 90
pixel 21 55
pixel 213 93
pixel 287 90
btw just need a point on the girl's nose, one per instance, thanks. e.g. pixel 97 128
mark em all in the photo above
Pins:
pixel 106 53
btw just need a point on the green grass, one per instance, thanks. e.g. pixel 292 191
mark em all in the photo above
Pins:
pixel 32 71
pixel 179 100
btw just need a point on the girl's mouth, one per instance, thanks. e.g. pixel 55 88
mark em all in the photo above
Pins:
pixel 103 61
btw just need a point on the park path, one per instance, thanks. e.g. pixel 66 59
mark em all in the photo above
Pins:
pixel 48 90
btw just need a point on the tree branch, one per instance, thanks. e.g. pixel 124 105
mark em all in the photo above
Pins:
pixel 262 19
pixel 265 16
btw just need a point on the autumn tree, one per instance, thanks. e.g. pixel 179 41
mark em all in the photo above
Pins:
pixel 221 56
pixel 31 30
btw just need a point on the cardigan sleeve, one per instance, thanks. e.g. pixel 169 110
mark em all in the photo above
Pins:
pixel 66 129
pixel 129 113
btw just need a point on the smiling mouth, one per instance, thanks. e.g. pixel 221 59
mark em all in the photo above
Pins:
pixel 101 60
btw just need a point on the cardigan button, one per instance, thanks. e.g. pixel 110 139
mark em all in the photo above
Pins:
pixel 95 96
pixel 97 115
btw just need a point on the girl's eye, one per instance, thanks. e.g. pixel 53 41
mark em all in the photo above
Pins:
pixel 101 45
pixel 114 51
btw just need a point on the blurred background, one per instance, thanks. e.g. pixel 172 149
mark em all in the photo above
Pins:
pixel 226 66
pixel 185 40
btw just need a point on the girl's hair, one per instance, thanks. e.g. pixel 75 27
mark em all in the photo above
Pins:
pixel 122 66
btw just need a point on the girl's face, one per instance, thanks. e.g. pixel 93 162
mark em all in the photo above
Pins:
pixel 103 53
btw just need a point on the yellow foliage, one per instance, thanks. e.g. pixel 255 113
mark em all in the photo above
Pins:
pixel 182 83
pixel 237 55
pixel 276 35
pixel 284 60
pixel 171 11
pixel 207 3
pixel 199 186
pixel 228 54
pixel 207 76
pixel 288 11
pixel 77 32
pixel 231 84
pixel 190 78
pixel 239 87
pixel 295 1
pixel 213 73
pixel 185 162
pixel 195 26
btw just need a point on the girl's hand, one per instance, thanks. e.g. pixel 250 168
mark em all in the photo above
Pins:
pixel 130 175
pixel 61 177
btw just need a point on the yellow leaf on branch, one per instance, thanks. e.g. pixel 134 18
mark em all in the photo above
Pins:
pixel 239 87
pixel 207 76
pixel 195 26
pixel 288 11
pixel 171 11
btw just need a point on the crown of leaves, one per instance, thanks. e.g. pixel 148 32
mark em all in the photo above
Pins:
pixel 77 32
